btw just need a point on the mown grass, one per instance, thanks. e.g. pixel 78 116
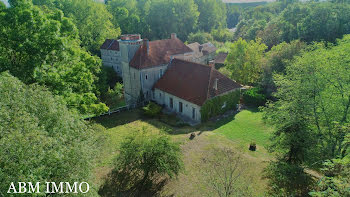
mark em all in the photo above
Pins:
pixel 246 127
pixel 235 133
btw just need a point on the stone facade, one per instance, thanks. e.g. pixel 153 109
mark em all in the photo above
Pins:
pixel 111 55
pixel 128 45
pixel 189 110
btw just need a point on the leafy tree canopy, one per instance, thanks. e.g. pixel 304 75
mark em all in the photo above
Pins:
pixel 312 107
pixel 91 18
pixel 43 47
pixel 244 60
pixel 40 139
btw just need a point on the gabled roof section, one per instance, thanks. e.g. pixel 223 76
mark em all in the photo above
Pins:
pixel 194 82
pixel 110 44
pixel 159 52
pixel 201 50
pixel 220 58
pixel 208 48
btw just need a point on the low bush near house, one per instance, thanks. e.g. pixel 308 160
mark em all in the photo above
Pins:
pixel 254 97
pixel 152 110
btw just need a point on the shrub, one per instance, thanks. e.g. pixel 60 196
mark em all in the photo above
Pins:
pixel 152 110
pixel 220 105
pixel 200 37
pixel 222 35
pixel 144 159
pixel 254 97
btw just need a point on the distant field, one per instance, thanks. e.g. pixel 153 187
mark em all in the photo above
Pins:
pixel 235 133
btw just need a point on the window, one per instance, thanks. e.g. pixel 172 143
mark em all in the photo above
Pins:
pixel 180 107
pixel 193 113
pixel 153 95
pixel 160 95
pixel 146 76
pixel 160 73
pixel 171 104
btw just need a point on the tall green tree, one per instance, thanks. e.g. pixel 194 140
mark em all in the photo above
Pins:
pixel 145 159
pixel 176 16
pixel 43 47
pixel 212 14
pixel 40 139
pixel 312 95
pixel 245 61
pixel 92 19
pixel 126 15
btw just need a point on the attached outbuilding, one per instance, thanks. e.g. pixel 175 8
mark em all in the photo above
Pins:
pixel 187 86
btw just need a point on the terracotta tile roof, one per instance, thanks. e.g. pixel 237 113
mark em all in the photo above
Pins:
pixel 220 58
pixel 110 44
pixel 159 53
pixel 194 82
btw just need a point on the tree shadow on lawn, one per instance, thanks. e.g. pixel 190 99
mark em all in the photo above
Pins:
pixel 117 119
pixel 208 126
pixel 166 122
pixel 125 184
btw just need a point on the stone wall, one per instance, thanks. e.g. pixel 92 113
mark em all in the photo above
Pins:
pixel 112 58
pixel 149 77
pixel 163 98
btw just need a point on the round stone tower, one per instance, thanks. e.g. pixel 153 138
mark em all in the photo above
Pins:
pixel 128 45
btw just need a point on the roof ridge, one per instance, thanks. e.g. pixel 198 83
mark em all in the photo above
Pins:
pixel 111 44
pixel 207 66
pixel 211 70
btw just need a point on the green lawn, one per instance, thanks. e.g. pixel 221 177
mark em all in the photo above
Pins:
pixel 247 126
pixel 235 132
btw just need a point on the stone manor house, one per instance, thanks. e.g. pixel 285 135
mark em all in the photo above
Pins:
pixel 166 72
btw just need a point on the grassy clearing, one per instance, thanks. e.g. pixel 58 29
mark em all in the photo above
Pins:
pixel 244 128
pixel 235 133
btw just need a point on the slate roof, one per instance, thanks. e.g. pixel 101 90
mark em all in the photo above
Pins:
pixel 194 82
pixel 159 52
pixel 110 44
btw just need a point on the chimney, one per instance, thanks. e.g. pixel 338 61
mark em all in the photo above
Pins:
pixel 200 48
pixel 216 84
pixel 173 36
pixel 145 45
pixel 212 63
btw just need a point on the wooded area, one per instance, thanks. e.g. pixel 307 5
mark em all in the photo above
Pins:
pixel 295 55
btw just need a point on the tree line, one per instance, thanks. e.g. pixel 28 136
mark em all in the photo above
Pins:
pixel 295 55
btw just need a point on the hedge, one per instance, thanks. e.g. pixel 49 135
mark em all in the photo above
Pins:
pixel 214 107
pixel 254 97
